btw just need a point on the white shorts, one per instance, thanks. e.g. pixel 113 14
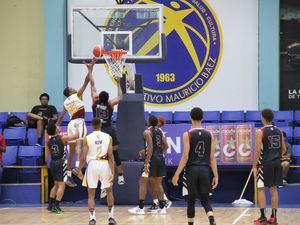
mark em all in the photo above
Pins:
pixel 98 170
pixel 81 127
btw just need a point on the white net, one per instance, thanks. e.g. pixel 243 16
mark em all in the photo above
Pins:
pixel 115 61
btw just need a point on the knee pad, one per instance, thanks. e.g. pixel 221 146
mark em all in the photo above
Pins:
pixel 117 157
pixel 205 203
pixel 191 206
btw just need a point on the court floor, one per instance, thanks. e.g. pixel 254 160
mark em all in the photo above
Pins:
pixel 175 216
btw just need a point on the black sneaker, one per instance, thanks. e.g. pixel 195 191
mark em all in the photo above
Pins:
pixel 70 182
pixel 49 208
pixel 111 221
pixel 154 208
pixel 57 210
pixel 92 222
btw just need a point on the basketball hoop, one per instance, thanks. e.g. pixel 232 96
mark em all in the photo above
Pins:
pixel 115 60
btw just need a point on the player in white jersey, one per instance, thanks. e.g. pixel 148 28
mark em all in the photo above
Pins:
pixel 74 105
pixel 98 154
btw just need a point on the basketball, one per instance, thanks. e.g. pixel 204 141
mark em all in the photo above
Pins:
pixel 98 51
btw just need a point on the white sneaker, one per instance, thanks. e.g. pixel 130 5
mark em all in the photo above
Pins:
pixel 103 193
pixel 121 180
pixel 168 204
pixel 137 211
pixel 162 211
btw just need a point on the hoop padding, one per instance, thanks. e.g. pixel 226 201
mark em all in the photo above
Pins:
pixel 115 60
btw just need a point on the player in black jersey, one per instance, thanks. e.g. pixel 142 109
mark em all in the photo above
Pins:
pixel 56 149
pixel 270 147
pixel 103 108
pixel 198 160
pixel 154 167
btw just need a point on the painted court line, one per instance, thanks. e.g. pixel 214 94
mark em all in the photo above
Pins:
pixel 240 216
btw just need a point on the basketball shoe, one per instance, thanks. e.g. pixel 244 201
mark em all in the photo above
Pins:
pixel 137 211
pixel 272 220
pixel 261 221
pixel 92 222
pixel 111 221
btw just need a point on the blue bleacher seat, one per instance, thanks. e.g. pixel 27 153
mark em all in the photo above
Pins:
pixel 297 118
pixel 10 155
pixel 283 118
pixel 0 130
pixel 289 133
pixel 30 151
pixel 297 135
pixel 211 117
pixel 233 116
pixel 15 136
pixel 88 117
pixel 182 117
pixel 254 116
pixel 29 156
pixel 168 115
pixel 21 115
pixel 3 117
pixel 32 136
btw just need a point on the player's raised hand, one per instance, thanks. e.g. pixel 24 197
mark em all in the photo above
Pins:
pixel 90 66
pixel 175 180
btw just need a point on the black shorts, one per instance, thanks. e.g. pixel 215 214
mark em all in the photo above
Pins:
pixel 270 174
pixel 112 132
pixel 158 167
pixel 58 169
pixel 198 180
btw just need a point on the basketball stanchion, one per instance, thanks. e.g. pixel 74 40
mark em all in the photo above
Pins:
pixel 241 201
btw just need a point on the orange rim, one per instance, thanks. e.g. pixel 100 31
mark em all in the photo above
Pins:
pixel 115 54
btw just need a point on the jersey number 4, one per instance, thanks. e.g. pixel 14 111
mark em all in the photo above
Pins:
pixel 200 149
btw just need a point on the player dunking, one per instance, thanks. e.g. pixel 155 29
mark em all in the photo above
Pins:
pixel 75 107
pixel 270 147
pixel 103 108
pixel 98 154
pixel 198 159
pixel 154 166
pixel 56 148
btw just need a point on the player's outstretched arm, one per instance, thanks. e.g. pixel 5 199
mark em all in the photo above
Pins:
pixel 60 118
pixel 213 163
pixel 90 67
pixel 94 94
pixel 184 158
pixel 117 99
pixel 149 150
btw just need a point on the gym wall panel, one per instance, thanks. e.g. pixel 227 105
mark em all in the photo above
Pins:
pixel 22 54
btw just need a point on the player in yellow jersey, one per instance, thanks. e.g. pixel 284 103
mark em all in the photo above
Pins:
pixel 98 154
pixel 74 105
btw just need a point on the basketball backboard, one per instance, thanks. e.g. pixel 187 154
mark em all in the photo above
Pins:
pixel 138 29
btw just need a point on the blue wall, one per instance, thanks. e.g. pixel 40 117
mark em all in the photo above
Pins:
pixel 55 50
pixel 269 23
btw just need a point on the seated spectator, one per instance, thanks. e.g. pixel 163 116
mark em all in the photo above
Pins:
pixel 286 159
pixel 2 149
pixel 40 116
